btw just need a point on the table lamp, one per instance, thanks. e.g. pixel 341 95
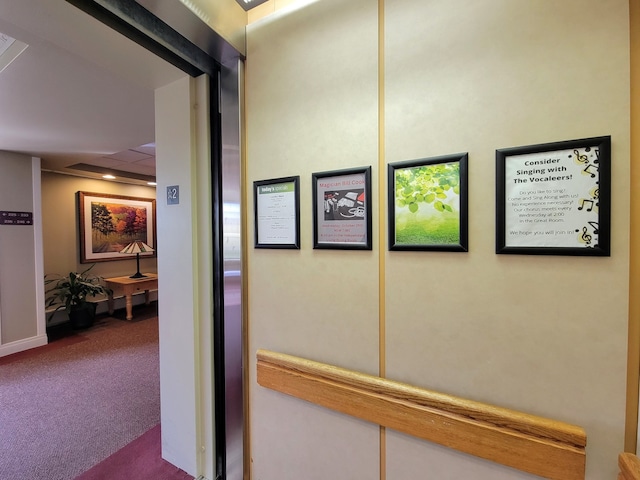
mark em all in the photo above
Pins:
pixel 137 247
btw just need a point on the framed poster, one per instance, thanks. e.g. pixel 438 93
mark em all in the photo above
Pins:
pixel 108 223
pixel 428 204
pixel 554 198
pixel 277 212
pixel 342 209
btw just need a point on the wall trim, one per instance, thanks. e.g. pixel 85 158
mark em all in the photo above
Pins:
pixel 36 180
pixel 382 229
pixel 633 335
pixel 54 317
pixel 537 445
pixel 22 345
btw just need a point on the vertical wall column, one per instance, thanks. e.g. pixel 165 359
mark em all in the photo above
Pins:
pixel 21 278
pixel 632 432
pixel 38 251
pixel 184 309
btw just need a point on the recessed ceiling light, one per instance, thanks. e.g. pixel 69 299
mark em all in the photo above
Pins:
pixel 108 177
pixel 152 184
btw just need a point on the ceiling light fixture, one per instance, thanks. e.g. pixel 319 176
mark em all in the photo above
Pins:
pixel 10 48
pixel 200 13
pixel 84 167
pixel 249 4
pixel 108 177
pixel 152 184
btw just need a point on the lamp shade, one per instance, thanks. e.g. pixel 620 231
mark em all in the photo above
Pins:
pixel 137 247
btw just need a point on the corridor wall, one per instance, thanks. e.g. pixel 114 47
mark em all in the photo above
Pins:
pixel 60 224
pixel 21 288
pixel 347 84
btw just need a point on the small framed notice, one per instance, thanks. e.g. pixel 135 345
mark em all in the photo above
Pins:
pixel 554 198
pixel 342 209
pixel 277 213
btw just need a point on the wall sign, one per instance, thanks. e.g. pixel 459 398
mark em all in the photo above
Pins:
pixel 277 212
pixel 555 198
pixel 342 209
pixel 16 218
pixel 173 195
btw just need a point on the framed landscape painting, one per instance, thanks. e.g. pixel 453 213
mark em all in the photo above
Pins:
pixel 108 223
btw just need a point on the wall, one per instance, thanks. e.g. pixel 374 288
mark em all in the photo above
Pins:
pixel 225 17
pixel 60 224
pixel 185 276
pixel 632 434
pixel 311 105
pixel 541 334
pixel 21 288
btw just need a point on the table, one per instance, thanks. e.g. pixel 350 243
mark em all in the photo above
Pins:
pixel 128 286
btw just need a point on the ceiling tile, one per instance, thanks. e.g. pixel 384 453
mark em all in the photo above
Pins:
pixel 129 156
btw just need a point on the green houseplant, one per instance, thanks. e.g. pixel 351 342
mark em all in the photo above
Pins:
pixel 70 292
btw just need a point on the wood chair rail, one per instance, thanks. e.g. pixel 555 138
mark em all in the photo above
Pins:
pixel 544 447
pixel 629 467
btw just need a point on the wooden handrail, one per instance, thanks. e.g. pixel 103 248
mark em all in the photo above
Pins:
pixel 537 445
pixel 629 467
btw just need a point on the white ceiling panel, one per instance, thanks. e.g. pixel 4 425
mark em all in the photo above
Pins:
pixel 80 91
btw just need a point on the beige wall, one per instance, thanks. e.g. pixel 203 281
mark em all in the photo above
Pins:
pixel 541 334
pixel 185 276
pixel 225 17
pixel 19 296
pixel 60 224
pixel 312 109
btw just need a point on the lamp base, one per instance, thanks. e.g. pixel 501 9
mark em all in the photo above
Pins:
pixel 137 274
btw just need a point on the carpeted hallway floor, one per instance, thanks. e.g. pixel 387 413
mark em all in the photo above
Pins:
pixel 67 406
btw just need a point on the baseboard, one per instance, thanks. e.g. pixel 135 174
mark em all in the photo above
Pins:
pixel 21 345
pixel 118 303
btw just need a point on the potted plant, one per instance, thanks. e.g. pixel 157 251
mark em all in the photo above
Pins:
pixel 70 292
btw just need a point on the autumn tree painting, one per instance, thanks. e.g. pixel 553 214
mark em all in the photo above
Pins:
pixel 115 225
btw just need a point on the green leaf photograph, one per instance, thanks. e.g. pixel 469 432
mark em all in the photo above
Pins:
pixel 428 204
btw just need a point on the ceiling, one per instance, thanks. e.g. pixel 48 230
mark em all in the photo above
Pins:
pixel 80 93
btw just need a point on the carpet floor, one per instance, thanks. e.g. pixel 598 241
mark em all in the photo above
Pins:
pixel 69 405
pixel 140 460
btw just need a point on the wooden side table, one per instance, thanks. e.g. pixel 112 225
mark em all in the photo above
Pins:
pixel 128 286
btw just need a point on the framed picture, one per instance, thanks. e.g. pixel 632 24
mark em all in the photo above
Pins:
pixel 277 212
pixel 554 198
pixel 428 205
pixel 108 223
pixel 342 209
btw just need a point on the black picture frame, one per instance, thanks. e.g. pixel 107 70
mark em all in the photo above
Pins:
pixel 342 209
pixel 276 205
pixel 428 204
pixel 554 198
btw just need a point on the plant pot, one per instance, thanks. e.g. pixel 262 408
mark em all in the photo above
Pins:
pixel 82 316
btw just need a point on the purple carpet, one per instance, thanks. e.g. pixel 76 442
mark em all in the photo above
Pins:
pixel 69 405
pixel 139 460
